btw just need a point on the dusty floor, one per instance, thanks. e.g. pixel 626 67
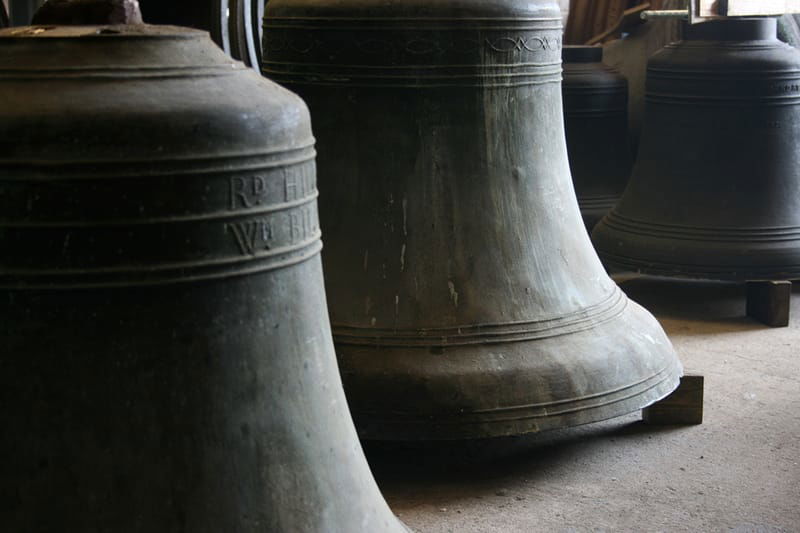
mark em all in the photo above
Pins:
pixel 739 471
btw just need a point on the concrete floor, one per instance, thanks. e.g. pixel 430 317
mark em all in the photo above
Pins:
pixel 739 471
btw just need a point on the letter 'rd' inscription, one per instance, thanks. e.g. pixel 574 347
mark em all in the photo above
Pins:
pixel 291 194
pixel 289 185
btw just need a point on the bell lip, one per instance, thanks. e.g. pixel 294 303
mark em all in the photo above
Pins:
pixel 708 253
pixel 424 429
pixel 573 53
pixel 535 411
pixel 740 29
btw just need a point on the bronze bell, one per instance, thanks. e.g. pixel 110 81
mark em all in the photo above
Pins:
pixel 715 192
pixel 166 362
pixel 465 296
pixel 596 123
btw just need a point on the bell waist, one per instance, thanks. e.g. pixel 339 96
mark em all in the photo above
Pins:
pixel 587 318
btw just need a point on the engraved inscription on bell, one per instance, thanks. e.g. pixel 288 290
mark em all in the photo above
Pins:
pixel 167 361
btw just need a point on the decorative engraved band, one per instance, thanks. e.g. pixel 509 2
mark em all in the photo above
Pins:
pixel 423 54
pixel 693 87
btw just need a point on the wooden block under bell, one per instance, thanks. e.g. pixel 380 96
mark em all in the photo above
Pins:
pixel 683 407
pixel 769 302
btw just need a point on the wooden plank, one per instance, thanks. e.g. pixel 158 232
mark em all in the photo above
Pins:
pixel 629 17
pixel 682 407
pixel 615 10
pixel 769 302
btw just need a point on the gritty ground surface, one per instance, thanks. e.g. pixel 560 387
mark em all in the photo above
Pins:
pixel 739 471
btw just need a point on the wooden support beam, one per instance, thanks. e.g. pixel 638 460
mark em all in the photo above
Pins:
pixel 682 407
pixel 769 302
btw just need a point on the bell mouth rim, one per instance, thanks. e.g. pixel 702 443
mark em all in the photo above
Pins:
pixel 526 411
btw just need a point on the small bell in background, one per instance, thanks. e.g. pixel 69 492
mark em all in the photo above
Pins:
pixel 596 123
pixel 715 192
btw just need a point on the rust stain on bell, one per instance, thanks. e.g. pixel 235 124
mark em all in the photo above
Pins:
pixel 596 123
pixel 465 296
pixel 715 192
pixel 166 361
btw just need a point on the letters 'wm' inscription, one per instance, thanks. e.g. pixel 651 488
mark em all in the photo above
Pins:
pixel 282 228
pixel 258 235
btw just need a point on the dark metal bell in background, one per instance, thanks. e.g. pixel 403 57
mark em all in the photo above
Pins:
pixel 166 362
pixel 3 16
pixel 596 123
pixel 716 188
pixel 465 296
pixel 235 25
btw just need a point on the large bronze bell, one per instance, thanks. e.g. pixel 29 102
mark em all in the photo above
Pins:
pixel 715 192
pixel 465 296
pixel 166 362
pixel 596 123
